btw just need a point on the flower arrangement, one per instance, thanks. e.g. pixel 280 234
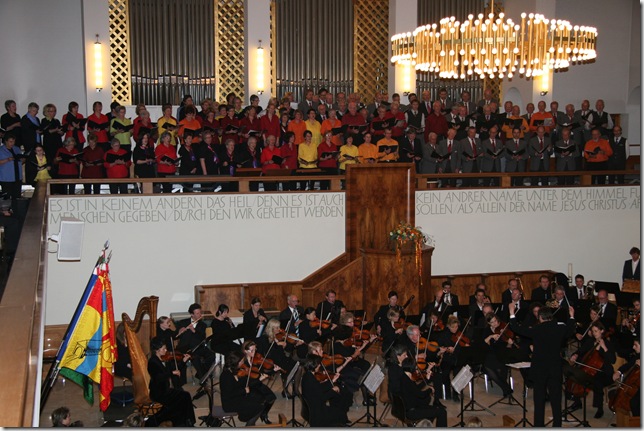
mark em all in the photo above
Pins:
pixel 406 233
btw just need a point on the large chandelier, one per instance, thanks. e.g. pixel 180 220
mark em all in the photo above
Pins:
pixel 494 47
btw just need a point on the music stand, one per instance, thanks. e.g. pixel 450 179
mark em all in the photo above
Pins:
pixel 371 380
pixel 458 384
pixel 210 375
pixel 511 401
pixel 290 380
pixel 524 420
pixel 472 403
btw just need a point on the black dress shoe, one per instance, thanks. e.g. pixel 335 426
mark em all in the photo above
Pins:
pixel 600 413
pixel 575 406
pixel 265 419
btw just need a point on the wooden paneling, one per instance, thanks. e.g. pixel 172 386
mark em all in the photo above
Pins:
pixel 238 296
pixel 377 198
pixel 348 284
pixel 326 271
pixel 383 274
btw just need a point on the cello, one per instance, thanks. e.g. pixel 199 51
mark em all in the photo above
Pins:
pixel 627 389
pixel 591 364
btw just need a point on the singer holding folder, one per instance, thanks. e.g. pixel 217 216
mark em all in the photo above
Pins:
pixel 67 164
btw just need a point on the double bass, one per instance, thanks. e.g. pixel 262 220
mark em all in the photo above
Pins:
pixel 627 389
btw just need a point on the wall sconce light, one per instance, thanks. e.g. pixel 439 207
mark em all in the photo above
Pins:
pixel 406 85
pixel 259 69
pixel 98 65
pixel 543 93
pixel 545 81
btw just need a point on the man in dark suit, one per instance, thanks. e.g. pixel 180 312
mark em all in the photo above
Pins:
pixel 308 102
pixel 445 303
pixel 425 105
pixel 490 162
pixel 482 287
pixel 292 315
pixel 607 311
pixel 381 315
pixel 515 162
pixel 539 150
pixel 449 149
pixel 521 307
pixel 542 292
pixel 192 334
pixel 560 313
pixel 566 160
pixel 466 101
pixel 632 266
pixel 506 296
pixel 617 162
pixel 476 310
pixel 410 149
pixel 546 369
pixel 330 307
pixel 486 100
pixel 467 157
pixel 577 293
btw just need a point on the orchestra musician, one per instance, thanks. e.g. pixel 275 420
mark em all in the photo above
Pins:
pixel 238 397
pixel 583 331
pixel 618 375
pixel 192 336
pixel 455 355
pixel 330 307
pixel 631 324
pixel 578 369
pixel 631 269
pixel 388 330
pixel 347 345
pixel 418 350
pixel 506 296
pixel 310 330
pixel 272 348
pixel 223 332
pixel 177 403
pixel 607 311
pixel 257 386
pixel 477 313
pixel 483 287
pixel 345 400
pixel 400 369
pixel 381 315
pixel 520 305
pixel 445 302
pixel 254 319
pixel 292 315
pixel 319 390
pixel 532 316
pixel 560 310
pixel 166 332
pixel 542 292
pixel 546 368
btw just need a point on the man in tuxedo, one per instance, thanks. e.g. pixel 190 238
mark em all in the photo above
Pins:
pixel 561 312
pixel 467 156
pixel 542 292
pixel 539 150
pixel 411 149
pixel 476 309
pixel 292 315
pixel 631 269
pixel 617 162
pixel 607 311
pixel 483 287
pixel 577 293
pixel 331 306
pixel 516 154
pixel 308 102
pixel 546 366
pixel 491 158
pixel 440 306
pixel 521 307
pixel 566 160
pixel 192 335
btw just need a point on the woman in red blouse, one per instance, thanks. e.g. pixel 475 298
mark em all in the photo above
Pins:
pixel 288 152
pixel 117 164
pixel 144 125
pixel 329 162
pixel 73 126
pixel 229 120
pixel 248 124
pixel 93 164
pixel 166 156
pixel 267 161
pixel 211 124
pixel 98 123
pixel 67 165
pixel 270 122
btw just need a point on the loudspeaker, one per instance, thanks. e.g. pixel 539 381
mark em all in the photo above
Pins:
pixel 70 239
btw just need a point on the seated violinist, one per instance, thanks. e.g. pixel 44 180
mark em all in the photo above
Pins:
pixel 596 352
pixel 433 326
pixel 334 365
pixel 223 332
pixel 329 309
pixel 418 349
pixel 320 391
pixel 499 350
pixel 402 376
pixel 584 332
pixel 381 315
pixel 349 343
pixel 391 330
pixel 476 310
pixel 310 330
pixel 441 304
pixel 273 349
pixel 177 403
pixel 457 353
pixel 235 384
pixel 255 380
pixel 166 332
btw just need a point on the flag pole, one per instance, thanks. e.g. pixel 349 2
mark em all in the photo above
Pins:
pixel 52 374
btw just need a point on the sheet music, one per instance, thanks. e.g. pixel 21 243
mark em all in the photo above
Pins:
pixel 462 378
pixel 518 365
pixel 291 375
pixel 260 330
pixel 373 378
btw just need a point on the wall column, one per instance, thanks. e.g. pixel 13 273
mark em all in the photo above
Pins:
pixel 258 27
pixel 403 17
pixel 96 21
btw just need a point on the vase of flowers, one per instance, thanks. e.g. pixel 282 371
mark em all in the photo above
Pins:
pixel 404 236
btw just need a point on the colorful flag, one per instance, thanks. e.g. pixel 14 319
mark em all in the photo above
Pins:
pixel 89 352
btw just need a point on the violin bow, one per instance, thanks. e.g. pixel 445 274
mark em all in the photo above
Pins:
pixel 462 332
pixel 250 370
pixel 176 367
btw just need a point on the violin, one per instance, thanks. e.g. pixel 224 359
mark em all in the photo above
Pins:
pixel 505 333
pixel 245 371
pixel 263 363
pixel 316 323
pixel 322 376
pixel 328 360
pixel 459 339
pixel 438 326
pixel 281 335
pixel 401 324
pixel 178 356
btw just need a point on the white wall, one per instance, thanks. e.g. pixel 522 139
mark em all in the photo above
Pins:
pixel 475 231
pixel 532 229
pixel 42 53
pixel 257 24
pixel 216 238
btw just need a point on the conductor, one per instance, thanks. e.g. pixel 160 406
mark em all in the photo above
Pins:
pixel 546 369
